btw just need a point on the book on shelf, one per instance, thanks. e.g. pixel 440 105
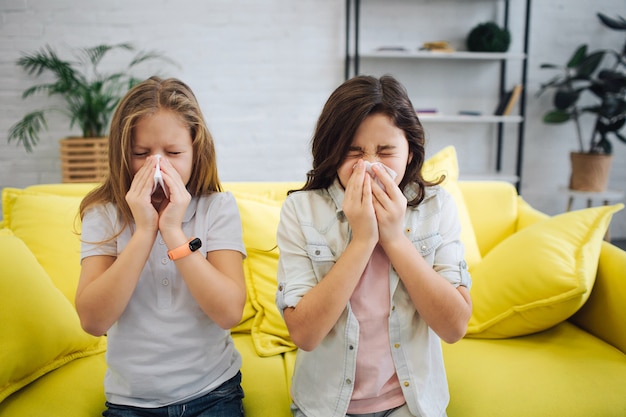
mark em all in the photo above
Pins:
pixel 508 101
pixel 425 111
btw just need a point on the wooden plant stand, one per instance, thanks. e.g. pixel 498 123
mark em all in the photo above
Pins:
pixel 84 159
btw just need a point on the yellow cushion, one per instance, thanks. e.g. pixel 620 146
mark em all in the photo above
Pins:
pixel 50 227
pixel 79 189
pixel 539 276
pixel 445 163
pixel 260 217
pixel 74 389
pixel 263 381
pixel 493 209
pixel 275 191
pixel 39 328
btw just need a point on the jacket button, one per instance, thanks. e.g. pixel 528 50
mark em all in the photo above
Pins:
pixel 317 252
pixel 397 345
pixel 406 383
pixel 348 381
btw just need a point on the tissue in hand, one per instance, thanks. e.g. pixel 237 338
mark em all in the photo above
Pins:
pixel 158 177
pixel 368 168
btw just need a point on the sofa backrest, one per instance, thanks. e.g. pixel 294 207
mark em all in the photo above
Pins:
pixel 492 206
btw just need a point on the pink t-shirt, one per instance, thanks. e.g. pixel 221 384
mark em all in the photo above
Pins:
pixel 376 386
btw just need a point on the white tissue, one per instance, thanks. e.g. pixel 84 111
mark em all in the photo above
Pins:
pixel 368 168
pixel 158 177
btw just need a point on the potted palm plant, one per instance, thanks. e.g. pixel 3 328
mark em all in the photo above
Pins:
pixel 89 99
pixel 601 76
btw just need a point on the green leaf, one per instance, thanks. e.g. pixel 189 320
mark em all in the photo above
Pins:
pixel 577 57
pixel 617 24
pixel 620 136
pixel 556 116
pixel 26 131
pixel 589 64
pixel 564 99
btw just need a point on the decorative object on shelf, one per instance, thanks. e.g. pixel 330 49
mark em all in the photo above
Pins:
pixel 488 37
pixel 90 96
pixel 426 111
pixel 508 101
pixel 437 46
pixel 607 84
pixel 470 113
pixel 391 48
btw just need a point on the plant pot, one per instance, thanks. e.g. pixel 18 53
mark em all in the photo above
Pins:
pixel 590 172
pixel 84 159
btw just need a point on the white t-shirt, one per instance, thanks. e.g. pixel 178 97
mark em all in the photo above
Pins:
pixel 164 349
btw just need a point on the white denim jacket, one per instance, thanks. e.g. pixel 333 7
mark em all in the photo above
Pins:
pixel 312 234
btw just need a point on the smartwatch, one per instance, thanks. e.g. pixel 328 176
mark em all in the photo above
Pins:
pixel 183 250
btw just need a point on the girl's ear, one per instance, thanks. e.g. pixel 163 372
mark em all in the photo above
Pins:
pixel 410 158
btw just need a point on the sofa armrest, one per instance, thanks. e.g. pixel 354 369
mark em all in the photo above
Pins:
pixel 604 313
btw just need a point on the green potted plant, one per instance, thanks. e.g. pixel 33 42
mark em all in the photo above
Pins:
pixel 89 99
pixel 601 76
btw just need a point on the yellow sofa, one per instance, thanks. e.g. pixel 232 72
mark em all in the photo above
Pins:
pixel 561 353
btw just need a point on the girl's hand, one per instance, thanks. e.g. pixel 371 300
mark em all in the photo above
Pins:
pixel 389 205
pixel 172 211
pixel 139 197
pixel 358 205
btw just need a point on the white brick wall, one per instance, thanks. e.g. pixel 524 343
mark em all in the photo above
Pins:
pixel 262 71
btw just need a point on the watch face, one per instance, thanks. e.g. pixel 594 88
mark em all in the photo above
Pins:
pixel 195 244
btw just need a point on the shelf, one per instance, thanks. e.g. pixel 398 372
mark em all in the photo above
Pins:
pixel 442 118
pixel 513 179
pixel 461 55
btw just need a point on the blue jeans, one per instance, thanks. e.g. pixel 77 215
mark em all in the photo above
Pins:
pixel 223 401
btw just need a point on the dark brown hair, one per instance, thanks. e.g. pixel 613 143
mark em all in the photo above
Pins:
pixel 145 99
pixel 346 108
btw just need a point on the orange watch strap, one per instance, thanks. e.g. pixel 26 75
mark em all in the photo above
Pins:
pixel 185 249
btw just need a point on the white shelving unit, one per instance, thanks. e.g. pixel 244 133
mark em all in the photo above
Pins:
pixel 398 55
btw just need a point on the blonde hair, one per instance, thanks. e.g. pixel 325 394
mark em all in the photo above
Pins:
pixel 144 99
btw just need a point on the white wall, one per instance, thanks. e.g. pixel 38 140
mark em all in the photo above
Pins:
pixel 263 69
